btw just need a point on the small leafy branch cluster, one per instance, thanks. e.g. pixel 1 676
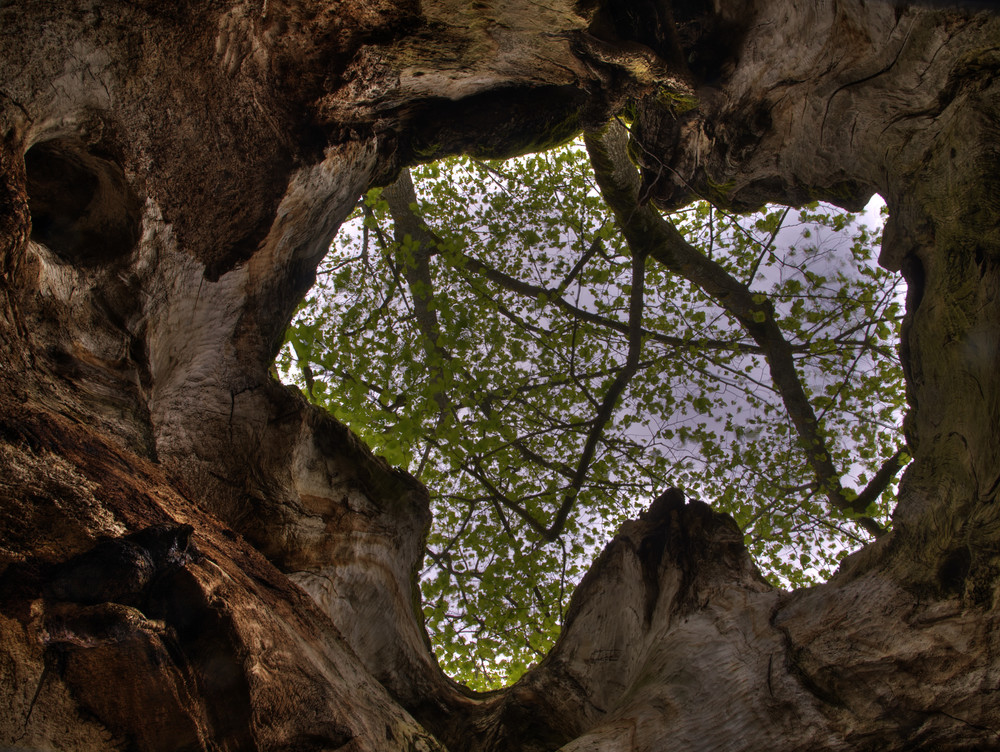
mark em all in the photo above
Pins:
pixel 547 353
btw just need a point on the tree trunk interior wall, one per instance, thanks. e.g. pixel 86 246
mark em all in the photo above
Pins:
pixel 170 177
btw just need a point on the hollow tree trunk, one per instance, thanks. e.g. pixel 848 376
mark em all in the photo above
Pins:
pixel 191 557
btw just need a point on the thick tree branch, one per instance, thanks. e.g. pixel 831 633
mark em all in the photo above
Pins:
pixel 647 232
pixel 881 480
pixel 416 245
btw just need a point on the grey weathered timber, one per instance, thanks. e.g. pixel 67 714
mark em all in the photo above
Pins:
pixel 171 174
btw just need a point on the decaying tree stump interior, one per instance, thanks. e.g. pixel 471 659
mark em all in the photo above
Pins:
pixel 192 557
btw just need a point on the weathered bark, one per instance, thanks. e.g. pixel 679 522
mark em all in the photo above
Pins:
pixel 170 175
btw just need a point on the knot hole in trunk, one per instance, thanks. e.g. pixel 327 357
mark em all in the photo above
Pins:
pixel 82 208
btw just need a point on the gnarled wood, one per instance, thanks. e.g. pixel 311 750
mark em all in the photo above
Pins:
pixel 170 175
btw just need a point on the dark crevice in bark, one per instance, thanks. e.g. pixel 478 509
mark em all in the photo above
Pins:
pixel 82 208
pixel 916 280
pixel 650 555
pixel 495 125
pixel 954 570
pixel 825 696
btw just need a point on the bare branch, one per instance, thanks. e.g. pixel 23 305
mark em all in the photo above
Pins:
pixel 552 297
pixel 648 232
pixel 635 333
pixel 881 480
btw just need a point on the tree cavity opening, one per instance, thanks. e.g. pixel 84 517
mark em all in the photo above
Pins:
pixel 82 208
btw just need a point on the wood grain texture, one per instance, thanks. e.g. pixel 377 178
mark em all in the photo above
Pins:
pixel 222 143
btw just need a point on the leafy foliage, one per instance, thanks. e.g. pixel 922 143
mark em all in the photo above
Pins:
pixel 487 332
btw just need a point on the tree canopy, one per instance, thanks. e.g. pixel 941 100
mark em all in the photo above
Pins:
pixel 547 352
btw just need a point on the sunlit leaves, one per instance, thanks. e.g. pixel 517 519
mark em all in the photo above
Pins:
pixel 530 286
